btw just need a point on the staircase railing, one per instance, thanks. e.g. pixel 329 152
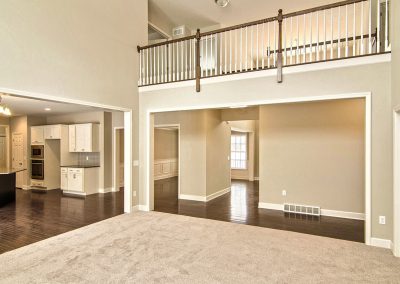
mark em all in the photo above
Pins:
pixel 345 29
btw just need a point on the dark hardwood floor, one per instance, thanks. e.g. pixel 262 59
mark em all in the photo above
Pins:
pixel 241 206
pixel 37 216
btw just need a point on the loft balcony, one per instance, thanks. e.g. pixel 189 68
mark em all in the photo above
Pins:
pixel 339 31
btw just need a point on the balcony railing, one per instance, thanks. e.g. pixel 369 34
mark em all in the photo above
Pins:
pixel 341 30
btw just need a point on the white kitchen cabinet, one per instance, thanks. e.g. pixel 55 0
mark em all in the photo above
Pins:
pixel 75 180
pixel 52 132
pixel 84 138
pixel 80 181
pixel 64 178
pixel 37 135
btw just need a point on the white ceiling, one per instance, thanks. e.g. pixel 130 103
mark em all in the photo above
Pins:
pixel 205 13
pixel 24 106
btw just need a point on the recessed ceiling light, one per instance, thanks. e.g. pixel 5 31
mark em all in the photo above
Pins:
pixel 222 3
pixel 47 109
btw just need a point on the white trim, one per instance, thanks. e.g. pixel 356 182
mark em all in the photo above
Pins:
pixel 192 197
pixel 348 62
pixel 106 190
pixel 271 206
pixel 116 183
pixel 144 208
pixel 218 194
pixel 240 177
pixel 256 178
pixel 324 212
pixel 205 198
pixel 368 169
pixel 368 137
pixel 396 182
pixel 74 193
pixel 343 214
pixel 381 243
pixel 128 163
pixel 135 208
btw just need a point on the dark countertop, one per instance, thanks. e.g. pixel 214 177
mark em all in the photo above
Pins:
pixel 80 166
pixel 7 171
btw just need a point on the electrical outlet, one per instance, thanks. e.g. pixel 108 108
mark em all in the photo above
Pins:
pixel 87 158
pixel 284 193
pixel 382 220
pixel 134 193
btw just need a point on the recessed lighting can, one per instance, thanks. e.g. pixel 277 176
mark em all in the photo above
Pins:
pixel 47 109
pixel 222 3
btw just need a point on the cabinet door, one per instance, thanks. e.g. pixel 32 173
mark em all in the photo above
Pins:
pixel 72 138
pixel 84 137
pixel 75 181
pixel 52 132
pixel 64 181
pixel 37 135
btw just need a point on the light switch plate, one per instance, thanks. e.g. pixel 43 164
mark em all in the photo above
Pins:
pixel 382 220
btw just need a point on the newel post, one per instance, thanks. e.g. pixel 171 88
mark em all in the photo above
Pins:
pixel 198 67
pixel 279 61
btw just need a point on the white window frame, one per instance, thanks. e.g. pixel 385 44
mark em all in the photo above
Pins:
pixel 235 161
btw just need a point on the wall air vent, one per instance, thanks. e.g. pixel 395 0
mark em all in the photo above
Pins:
pixel 180 31
pixel 302 209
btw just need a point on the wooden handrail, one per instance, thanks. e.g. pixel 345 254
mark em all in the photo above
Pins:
pixel 241 26
pixel 140 48
pixel 323 7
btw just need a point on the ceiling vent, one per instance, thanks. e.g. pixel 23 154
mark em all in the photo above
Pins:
pixel 180 31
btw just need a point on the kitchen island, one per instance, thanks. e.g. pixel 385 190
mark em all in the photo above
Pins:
pixel 7 185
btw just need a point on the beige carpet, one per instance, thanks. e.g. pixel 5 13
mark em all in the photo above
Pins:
pixel 163 248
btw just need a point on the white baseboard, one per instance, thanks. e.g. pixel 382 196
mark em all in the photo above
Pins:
pixel 343 214
pixel 240 177
pixel 192 197
pixel 106 190
pixel 135 208
pixel 270 206
pixel 165 176
pixel 381 243
pixel 74 193
pixel 204 198
pixel 256 178
pixel 324 212
pixel 218 194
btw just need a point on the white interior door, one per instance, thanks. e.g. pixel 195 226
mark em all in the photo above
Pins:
pixel 18 157
pixel 3 152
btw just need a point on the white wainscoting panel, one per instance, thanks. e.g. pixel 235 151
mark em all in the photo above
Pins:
pixel 165 168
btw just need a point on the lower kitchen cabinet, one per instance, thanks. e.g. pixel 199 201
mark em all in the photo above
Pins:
pixel 81 181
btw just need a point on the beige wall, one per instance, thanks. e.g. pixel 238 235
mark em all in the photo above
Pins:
pixel 192 148
pixel 248 113
pixel 204 150
pixel 218 152
pixel 314 151
pixel 80 50
pixel 373 78
pixel 165 144
pixel 160 19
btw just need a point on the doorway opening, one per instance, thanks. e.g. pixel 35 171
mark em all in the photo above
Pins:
pixel 166 167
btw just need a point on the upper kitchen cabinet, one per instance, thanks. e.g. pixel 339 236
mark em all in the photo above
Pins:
pixel 37 135
pixel 52 132
pixel 84 138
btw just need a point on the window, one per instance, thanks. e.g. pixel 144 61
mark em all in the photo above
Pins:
pixel 239 151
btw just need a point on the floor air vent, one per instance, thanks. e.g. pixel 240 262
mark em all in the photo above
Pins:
pixel 302 209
